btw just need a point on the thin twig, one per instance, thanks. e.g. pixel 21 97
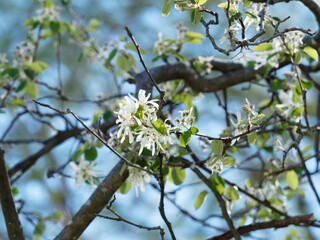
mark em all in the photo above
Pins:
pixel 145 67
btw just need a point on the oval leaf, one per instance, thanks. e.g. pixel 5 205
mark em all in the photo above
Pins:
pixel 216 146
pixel 252 137
pixel 185 138
pixel 201 198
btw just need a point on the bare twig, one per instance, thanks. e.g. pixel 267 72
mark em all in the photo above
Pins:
pixel 265 225
pixel 145 67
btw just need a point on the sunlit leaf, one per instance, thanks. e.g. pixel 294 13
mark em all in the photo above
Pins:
pixel 311 52
pixel 185 138
pixel 201 198
pixel 216 146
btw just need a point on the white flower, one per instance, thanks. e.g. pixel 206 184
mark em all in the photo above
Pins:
pixel 249 109
pixel 278 145
pixel 230 34
pixel 160 46
pixel 84 172
pixel 255 9
pixel 215 163
pixel 51 13
pixel 294 39
pixel 288 106
pixel 139 178
pixel 206 63
pixel 186 119
pixel 137 119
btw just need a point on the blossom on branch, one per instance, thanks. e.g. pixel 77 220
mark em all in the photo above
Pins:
pixel 84 173
pixel 139 178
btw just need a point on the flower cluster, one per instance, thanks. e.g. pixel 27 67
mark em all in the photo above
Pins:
pixel 139 178
pixel 48 12
pixel 186 120
pixel 252 118
pixel 161 46
pixel 84 173
pixel 138 122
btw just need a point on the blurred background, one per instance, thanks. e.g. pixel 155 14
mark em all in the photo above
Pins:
pixel 42 195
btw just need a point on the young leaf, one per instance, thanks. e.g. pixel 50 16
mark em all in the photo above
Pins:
pixel 194 130
pixel 160 127
pixel 263 47
pixel 201 198
pixel 166 7
pixel 292 179
pixel 185 138
pixel 252 137
pixel 232 193
pixel 125 187
pixel 217 183
pixel 91 153
pixel 216 146
pixel 140 112
pixel 311 52
pixel 123 63
pixel 177 175
pixel 228 161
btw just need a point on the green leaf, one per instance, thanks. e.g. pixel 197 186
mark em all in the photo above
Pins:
pixel 217 183
pixel 32 91
pixel 185 138
pixel 195 16
pixel 193 37
pixel 91 153
pixel 14 190
pixel 216 146
pixel 232 192
pixel 166 7
pixel 94 22
pixel 96 117
pixel 228 161
pixel 311 52
pixel 124 63
pixel 252 137
pixel 194 130
pixel 263 47
pixel 201 198
pixel 22 85
pixel 140 112
pixel 16 103
pixel 77 154
pixel 125 187
pixel 39 229
pixel 38 66
pixel 112 55
pixel 246 3
pixel 263 213
pixel 307 84
pixel 12 72
pixel 242 221
pixel 132 47
pixel 298 57
pixel 292 179
pixel 200 2
pixel 160 127
pixel 177 175
pixel 55 26
pixel 55 216
pixel 47 35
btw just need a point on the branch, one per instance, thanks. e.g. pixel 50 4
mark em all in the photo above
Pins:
pixel 264 225
pixel 97 201
pixel 51 143
pixel 7 203
pixel 236 74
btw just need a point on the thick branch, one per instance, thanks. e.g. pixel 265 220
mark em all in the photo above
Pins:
pixel 98 200
pixel 236 75
pixel 8 207
pixel 264 225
